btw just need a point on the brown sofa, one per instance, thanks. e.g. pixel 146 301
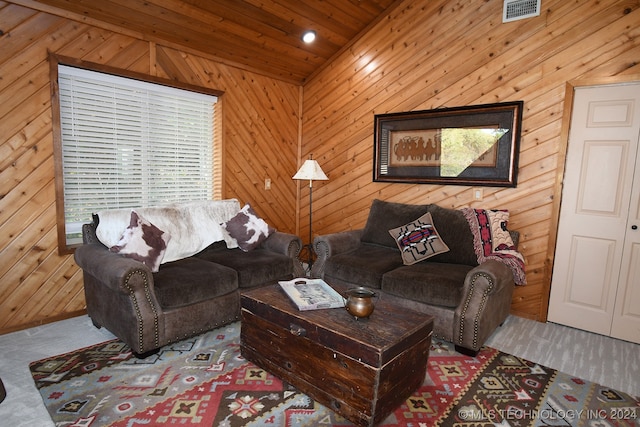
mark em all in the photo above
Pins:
pixel 468 300
pixel 185 297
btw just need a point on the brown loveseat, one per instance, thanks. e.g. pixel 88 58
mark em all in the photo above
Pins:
pixel 468 299
pixel 185 296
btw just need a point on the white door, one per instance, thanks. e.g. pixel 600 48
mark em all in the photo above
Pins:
pixel 596 277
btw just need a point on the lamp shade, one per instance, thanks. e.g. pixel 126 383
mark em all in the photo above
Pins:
pixel 310 170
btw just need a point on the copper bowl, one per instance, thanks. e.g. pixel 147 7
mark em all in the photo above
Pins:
pixel 360 303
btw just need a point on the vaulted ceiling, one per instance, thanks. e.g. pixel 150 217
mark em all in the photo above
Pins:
pixel 258 35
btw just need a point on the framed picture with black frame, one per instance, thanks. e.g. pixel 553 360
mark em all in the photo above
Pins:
pixel 476 145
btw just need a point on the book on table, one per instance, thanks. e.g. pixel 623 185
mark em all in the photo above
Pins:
pixel 311 294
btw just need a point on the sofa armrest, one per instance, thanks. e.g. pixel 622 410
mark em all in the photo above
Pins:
pixel 332 244
pixel 111 269
pixel 119 293
pixel 486 302
pixel 286 244
pixel 283 243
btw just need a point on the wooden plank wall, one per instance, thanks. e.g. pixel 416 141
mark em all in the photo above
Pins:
pixel 442 53
pixel 426 54
pixel 260 133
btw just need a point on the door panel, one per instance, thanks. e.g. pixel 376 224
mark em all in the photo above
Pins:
pixel 591 262
pixel 631 295
pixel 601 179
pixel 617 113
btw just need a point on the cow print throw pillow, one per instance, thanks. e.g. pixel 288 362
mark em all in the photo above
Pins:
pixel 143 242
pixel 248 229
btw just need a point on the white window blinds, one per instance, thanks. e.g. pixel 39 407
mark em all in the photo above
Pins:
pixel 128 143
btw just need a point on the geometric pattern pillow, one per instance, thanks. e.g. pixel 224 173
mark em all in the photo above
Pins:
pixel 418 240
pixel 143 242
pixel 248 229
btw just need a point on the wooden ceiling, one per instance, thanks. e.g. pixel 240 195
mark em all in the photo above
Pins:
pixel 258 35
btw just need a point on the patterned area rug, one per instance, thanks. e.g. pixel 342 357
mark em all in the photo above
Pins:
pixel 204 381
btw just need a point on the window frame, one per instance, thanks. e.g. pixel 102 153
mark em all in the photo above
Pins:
pixel 55 60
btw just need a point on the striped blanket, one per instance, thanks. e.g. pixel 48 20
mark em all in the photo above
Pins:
pixel 491 240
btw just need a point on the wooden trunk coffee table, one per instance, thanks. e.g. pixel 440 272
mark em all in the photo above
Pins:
pixel 362 369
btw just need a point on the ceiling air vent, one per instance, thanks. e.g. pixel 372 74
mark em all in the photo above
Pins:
pixel 520 9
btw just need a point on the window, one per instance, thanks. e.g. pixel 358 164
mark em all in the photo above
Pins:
pixel 126 143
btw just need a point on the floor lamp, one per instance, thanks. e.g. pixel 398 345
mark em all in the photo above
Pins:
pixel 312 171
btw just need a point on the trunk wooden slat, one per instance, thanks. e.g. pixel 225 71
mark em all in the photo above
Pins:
pixel 362 369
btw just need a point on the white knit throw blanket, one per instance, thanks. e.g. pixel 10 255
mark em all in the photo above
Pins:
pixel 192 225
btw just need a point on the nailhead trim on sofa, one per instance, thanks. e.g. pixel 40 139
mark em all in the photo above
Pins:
pixel 156 338
pixel 480 310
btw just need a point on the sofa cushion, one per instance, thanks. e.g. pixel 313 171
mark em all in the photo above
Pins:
pixel 191 280
pixel 384 216
pixel 453 228
pixel 363 266
pixel 418 240
pixel 248 229
pixel 429 282
pixel 143 242
pixel 254 268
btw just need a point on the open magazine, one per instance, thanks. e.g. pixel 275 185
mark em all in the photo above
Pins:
pixel 312 294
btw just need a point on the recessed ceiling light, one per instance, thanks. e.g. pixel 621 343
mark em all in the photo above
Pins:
pixel 309 36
